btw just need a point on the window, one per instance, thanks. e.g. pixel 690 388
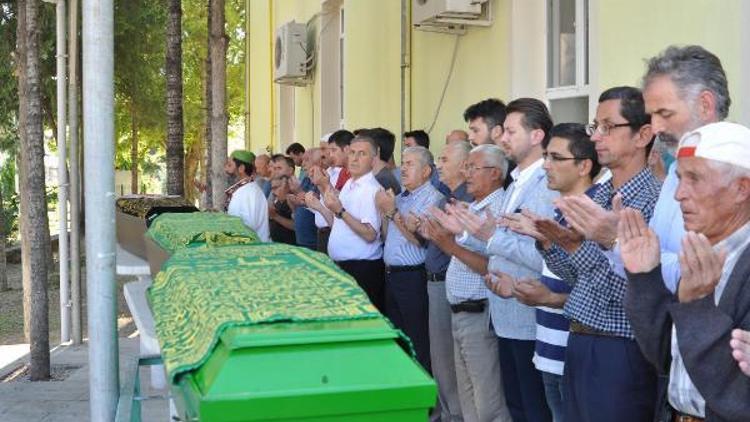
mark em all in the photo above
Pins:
pixel 341 67
pixel 568 58
pixel 331 66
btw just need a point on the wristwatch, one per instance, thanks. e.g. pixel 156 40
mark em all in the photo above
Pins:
pixel 340 214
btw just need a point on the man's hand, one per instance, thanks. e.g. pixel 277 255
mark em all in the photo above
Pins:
pixel 481 227
pixel 272 213
pixel 332 202
pixel 531 292
pixel 499 283
pixel 412 222
pixel 639 245
pixel 449 222
pixel 319 178
pixel 700 267
pixel 566 238
pixel 385 202
pixel 199 185
pixel 523 223
pixel 740 344
pixel 588 218
pixel 294 184
pixel 439 235
pixel 312 201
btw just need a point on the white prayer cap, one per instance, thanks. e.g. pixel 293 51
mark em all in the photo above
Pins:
pixel 723 141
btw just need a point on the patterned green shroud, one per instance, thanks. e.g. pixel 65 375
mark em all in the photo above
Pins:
pixel 140 205
pixel 173 231
pixel 202 291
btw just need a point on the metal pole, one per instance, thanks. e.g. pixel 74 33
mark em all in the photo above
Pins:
pixel 62 176
pixel 99 152
pixel 75 186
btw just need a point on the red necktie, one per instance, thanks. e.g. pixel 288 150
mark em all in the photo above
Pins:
pixel 344 175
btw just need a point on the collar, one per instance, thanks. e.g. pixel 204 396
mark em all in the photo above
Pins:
pixel 735 241
pixel 520 177
pixel 421 188
pixel 494 196
pixel 238 184
pixel 362 179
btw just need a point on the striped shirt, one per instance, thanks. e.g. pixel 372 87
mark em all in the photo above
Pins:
pixel 398 250
pixel 461 283
pixel 683 395
pixel 551 324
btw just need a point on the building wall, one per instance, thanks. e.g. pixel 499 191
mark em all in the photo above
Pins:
pixel 505 60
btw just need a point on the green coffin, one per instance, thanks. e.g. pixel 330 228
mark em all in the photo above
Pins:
pixel 328 371
pixel 276 332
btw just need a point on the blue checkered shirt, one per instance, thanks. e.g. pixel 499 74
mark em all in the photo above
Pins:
pixel 397 249
pixel 598 292
pixel 461 283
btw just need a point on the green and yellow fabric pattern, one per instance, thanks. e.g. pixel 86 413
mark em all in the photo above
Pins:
pixel 173 231
pixel 202 291
pixel 140 205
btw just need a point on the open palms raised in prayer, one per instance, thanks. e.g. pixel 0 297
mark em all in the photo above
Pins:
pixel 639 245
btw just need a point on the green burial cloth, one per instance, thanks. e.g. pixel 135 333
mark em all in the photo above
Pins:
pixel 140 205
pixel 202 291
pixel 173 231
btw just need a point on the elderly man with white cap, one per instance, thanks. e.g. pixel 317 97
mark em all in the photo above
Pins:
pixel 694 326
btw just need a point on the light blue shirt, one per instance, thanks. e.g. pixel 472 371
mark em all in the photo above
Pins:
pixel 399 250
pixel 668 224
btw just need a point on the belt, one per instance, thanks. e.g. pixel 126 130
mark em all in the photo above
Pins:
pixel 403 268
pixel 436 276
pixel 470 306
pixel 578 328
pixel 683 417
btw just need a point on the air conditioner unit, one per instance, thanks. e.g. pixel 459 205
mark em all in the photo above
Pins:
pixel 290 54
pixel 450 13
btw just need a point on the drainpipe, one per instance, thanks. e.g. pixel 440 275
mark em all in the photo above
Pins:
pixel 99 152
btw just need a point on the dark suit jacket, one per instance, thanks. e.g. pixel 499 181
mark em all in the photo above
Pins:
pixel 703 332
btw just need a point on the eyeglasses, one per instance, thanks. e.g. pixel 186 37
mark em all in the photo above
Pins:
pixel 602 129
pixel 472 169
pixel 557 158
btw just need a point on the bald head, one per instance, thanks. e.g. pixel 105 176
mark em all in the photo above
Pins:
pixel 261 165
pixel 456 135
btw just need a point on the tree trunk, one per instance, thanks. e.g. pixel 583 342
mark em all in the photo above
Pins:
pixel 3 236
pixel 133 151
pixel 36 232
pixel 218 53
pixel 175 126
pixel 207 196
pixel 206 167
pixel 21 166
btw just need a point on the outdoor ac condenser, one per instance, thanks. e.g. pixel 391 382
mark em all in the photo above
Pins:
pixel 441 12
pixel 290 56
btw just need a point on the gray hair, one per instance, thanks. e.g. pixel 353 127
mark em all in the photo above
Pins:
pixel 423 154
pixel 369 141
pixel 493 156
pixel 729 172
pixel 692 69
pixel 463 148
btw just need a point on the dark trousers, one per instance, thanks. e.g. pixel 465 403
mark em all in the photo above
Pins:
pixel 323 235
pixel 407 306
pixel 607 379
pixel 522 382
pixel 369 276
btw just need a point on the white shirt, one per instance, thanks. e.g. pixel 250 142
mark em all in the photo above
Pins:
pixel 249 203
pixel 358 198
pixel 333 175
pixel 520 178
